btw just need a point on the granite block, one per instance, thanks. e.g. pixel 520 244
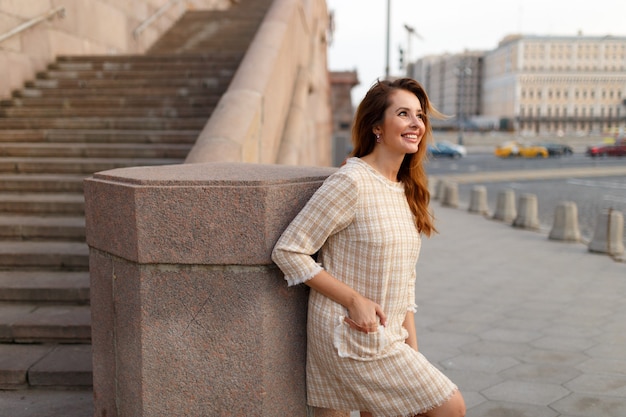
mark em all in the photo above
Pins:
pixel 190 315
pixel 211 213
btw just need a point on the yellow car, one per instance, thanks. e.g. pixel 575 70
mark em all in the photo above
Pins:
pixel 513 149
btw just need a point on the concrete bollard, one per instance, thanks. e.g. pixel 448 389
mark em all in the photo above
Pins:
pixel 478 200
pixel 565 225
pixel 439 189
pixel 450 195
pixel 505 206
pixel 527 217
pixel 608 236
pixel 432 187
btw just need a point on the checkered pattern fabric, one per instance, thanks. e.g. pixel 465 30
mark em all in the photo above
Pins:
pixel 362 226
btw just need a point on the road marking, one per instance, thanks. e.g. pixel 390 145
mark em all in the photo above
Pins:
pixel 602 184
pixel 614 198
pixel 535 174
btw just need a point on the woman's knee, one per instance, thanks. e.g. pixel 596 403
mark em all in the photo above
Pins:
pixel 454 407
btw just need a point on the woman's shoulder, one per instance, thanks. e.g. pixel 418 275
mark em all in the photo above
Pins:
pixel 347 180
pixel 354 168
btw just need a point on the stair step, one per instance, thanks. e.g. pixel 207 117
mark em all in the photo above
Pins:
pixel 191 123
pixel 32 323
pixel 155 67
pixel 76 165
pixel 51 402
pixel 204 82
pixel 100 136
pixel 72 256
pixel 45 286
pixel 164 112
pixel 65 366
pixel 96 150
pixel 208 101
pixel 20 227
pixel 160 91
pixel 15 362
pixel 156 59
pixel 116 74
pixel 68 183
pixel 42 203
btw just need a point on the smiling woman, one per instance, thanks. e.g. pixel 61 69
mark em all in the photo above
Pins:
pixel 365 222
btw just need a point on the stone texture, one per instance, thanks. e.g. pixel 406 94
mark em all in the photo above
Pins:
pixel 205 213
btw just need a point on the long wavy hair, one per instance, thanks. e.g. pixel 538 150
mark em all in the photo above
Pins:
pixel 371 113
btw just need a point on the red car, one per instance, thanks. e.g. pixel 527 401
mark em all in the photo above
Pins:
pixel 616 149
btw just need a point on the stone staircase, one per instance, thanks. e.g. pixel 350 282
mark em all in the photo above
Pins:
pixel 83 115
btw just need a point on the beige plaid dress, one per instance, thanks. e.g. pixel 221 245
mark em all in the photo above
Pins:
pixel 362 226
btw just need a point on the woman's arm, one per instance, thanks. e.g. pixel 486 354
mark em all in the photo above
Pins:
pixel 409 325
pixel 364 314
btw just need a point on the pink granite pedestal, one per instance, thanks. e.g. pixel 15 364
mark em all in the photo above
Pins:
pixel 190 317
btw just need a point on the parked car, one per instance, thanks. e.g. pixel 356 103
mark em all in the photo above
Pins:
pixel 514 149
pixel 607 149
pixel 557 149
pixel 446 149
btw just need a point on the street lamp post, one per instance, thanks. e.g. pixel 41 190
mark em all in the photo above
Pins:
pixel 410 33
pixel 388 39
pixel 461 71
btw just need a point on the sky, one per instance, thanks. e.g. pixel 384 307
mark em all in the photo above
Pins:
pixel 453 26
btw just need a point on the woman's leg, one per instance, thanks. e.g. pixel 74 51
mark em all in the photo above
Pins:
pixel 454 407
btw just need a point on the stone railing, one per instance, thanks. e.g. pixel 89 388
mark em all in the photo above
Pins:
pixel 277 108
pixel 608 236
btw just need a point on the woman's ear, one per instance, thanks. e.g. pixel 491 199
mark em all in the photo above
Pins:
pixel 377 130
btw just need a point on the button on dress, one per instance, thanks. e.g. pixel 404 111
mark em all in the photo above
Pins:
pixel 362 228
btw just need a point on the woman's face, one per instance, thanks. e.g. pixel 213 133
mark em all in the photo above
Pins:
pixel 403 127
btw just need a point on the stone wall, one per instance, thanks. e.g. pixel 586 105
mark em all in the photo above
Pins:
pixel 88 27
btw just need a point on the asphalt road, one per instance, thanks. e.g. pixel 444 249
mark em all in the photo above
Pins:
pixel 592 194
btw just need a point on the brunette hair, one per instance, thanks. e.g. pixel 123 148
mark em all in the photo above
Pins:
pixel 371 113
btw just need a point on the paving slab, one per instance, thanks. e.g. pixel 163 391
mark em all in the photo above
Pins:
pixel 547 318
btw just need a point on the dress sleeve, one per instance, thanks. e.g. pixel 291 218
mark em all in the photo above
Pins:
pixel 330 209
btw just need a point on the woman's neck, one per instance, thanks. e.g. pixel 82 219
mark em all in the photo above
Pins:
pixel 385 165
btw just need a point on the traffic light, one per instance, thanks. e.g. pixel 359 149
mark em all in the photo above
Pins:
pixel 401 59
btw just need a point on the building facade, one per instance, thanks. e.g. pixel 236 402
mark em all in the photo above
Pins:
pixel 557 84
pixel 453 83
pixel 341 84
pixel 535 84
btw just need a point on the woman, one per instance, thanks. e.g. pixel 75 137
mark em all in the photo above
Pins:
pixel 365 221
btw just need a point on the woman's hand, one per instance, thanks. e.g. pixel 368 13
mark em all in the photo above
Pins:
pixel 365 315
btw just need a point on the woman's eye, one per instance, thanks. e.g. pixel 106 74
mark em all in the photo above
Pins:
pixel 402 113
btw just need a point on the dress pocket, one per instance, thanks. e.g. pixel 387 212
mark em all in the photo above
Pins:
pixel 351 343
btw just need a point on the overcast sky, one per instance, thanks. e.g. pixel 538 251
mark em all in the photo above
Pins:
pixel 454 26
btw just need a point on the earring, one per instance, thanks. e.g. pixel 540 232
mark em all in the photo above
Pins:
pixel 378 137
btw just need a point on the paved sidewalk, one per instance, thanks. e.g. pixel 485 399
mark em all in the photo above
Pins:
pixel 526 326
